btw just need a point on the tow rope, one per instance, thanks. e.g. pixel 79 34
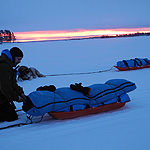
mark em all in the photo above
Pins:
pixel 15 125
pixel 81 73
pixel 29 118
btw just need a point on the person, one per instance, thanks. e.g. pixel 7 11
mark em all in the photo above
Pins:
pixel 26 73
pixel 9 89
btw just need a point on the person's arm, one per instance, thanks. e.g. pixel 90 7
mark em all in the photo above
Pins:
pixel 18 89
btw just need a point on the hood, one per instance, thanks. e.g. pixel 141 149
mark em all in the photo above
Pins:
pixel 7 53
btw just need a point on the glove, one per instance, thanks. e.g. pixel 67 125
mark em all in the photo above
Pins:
pixel 20 99
pixel 51 88
pixel 23 96
pixel 79 88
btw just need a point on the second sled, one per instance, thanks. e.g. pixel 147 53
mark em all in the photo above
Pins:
pixel 131 68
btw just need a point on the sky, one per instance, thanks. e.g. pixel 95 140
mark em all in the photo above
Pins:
pixel 34 15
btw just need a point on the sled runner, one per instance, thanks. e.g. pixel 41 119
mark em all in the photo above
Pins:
pixel 86 111
pixel 133 64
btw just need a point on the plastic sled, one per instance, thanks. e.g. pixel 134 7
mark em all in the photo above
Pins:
pixel 132 68
pixel 86 111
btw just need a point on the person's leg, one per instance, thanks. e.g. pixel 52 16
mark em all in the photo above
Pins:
pixel 7 112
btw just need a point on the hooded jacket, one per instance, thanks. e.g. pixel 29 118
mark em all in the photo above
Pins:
pixel 9 89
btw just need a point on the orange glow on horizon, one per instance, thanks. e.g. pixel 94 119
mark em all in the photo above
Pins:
pixel 73 34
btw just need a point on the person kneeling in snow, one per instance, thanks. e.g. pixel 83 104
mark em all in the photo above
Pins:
pixel 26 73
pixel 9 89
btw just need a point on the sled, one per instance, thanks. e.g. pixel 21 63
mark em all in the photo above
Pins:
pixel 132 68
pixel 86 111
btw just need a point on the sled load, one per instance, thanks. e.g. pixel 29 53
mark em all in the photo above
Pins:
pixel 76 100
pixel 133 64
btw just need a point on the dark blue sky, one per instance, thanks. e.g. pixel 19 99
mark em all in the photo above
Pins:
pixel 18 15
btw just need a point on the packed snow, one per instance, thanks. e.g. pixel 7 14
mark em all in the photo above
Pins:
pixel 121 129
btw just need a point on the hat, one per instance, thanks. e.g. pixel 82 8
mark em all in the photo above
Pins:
pixel 16 52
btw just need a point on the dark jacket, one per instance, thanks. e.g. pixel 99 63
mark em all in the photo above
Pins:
pixel 9 89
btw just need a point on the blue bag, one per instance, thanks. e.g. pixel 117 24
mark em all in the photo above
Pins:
pixel 66 99
pixel 133 62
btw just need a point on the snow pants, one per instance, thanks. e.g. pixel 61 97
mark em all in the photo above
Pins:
pixel 7 112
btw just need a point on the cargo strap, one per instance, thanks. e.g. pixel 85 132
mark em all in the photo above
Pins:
pixel 125 62
pixel 139 61
pixel 147 61
pixel 135 63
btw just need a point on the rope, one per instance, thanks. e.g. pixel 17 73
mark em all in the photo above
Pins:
pixel 14 125
pixel 113 88
pixel 82 73
pixel 64 101
pixel 22 124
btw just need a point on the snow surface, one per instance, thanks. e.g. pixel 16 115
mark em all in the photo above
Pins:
pixel 122 129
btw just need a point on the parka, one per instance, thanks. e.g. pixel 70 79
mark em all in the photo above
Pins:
pixel 9 89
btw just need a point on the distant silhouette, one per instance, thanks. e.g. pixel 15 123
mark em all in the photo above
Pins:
pixel 6 36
